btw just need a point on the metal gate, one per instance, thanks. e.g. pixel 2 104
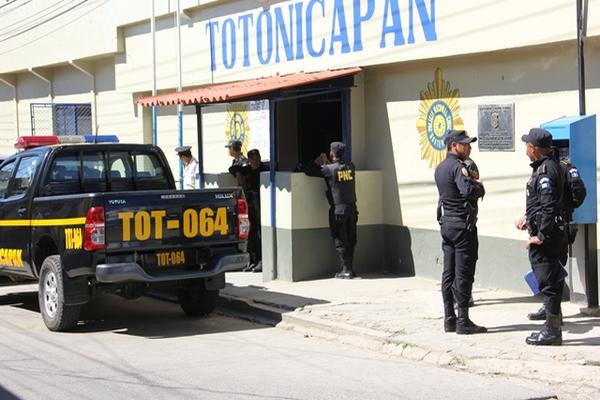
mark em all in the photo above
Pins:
pixel 61 119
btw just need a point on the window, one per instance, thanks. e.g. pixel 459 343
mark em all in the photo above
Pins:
pixel 147 166
pixel 5 174
pixel 63 177
pixel 24 175
pixel 93 166
pixel 65 168
pixel 61 119
pixel 120 165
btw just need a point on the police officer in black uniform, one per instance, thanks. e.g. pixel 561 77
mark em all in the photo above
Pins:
pixel 459 191
pixel 547 231
pixel 251 173
pixel 341 194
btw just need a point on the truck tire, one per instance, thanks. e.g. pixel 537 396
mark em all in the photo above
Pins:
pixel 196 300
pixel 51 295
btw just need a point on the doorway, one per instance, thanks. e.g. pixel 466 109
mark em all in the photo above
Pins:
pixel 319 124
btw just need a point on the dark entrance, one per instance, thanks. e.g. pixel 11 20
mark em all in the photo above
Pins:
pixel 319 124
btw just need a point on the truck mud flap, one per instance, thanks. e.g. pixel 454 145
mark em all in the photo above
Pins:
pixel 76 290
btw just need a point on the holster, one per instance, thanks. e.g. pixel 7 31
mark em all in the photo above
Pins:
pixel 471 220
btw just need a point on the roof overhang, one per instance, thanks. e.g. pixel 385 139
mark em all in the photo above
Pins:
pixel 232 91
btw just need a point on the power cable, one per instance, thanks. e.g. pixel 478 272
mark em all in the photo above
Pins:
pixel 46 21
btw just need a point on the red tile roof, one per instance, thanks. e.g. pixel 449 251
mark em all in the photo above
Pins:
pixel 224 92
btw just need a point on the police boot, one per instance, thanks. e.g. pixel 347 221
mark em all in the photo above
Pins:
pixel 345 274
pixel 464 326
pixel 540 315
pixel 449 317
pixel 550 335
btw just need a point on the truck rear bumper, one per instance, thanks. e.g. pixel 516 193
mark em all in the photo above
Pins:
pixel 133 272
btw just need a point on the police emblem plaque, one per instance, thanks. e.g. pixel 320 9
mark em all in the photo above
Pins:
pixel 438 114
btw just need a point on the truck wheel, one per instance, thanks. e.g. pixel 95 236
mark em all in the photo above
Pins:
pixel 196 300
pixel 51 295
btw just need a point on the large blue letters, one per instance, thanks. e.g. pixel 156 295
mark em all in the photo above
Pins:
pixel 266 15
pixel 396 27
pixel 228 39
pixel 282 31
pixel 339 16
pixel 309 42
pixel 359 19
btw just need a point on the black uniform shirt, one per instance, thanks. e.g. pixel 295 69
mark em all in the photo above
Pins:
pixel 340 179
pixel 544 197
pixel 456 187
pixel 253 176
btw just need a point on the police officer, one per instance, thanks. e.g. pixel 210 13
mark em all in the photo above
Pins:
pixel 239 161
pixel 546 228
pixel 457 214
pixel 341 194
pixel 252 191
pixel 190 167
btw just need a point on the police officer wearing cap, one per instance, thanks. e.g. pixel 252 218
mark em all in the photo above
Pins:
pixel 239 161
pixel 252 190
pixel 190 167
pixel 341 194
pixel 457 215
pixel 547 234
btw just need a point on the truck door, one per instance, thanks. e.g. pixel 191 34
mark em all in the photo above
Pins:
pixel 15 223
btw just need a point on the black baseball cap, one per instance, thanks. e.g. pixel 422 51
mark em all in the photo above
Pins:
pixel 337 147
pixel 234 144
pixel 538 137
pixel 458 137
pixel 253 153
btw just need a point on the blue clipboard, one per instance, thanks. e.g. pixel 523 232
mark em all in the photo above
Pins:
pixel 533 283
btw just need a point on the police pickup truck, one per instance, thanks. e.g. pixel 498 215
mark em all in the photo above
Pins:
pixel 84 218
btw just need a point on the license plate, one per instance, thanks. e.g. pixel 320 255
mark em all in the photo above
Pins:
pixel 170 258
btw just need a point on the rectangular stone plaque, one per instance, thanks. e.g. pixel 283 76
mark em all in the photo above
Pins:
pixel 496 127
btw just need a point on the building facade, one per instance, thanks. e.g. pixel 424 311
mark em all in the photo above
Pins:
pixel 494 68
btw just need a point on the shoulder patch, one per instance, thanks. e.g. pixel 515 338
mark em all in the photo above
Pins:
pixel 545 183
pixel 574 173
pixel 464 171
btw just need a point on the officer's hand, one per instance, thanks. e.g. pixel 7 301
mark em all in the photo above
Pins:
pixel 521 223
pixel 533 240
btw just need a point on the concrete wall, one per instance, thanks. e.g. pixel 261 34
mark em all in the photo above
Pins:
pixel 304 248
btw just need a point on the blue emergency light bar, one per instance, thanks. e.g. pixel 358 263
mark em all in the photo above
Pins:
pixel 28 142
pixel 101 138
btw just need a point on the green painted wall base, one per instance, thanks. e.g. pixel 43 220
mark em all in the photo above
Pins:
pixel 304 254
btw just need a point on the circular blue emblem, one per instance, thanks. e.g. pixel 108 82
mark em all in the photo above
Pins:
pixel 439 121
pixel 237 127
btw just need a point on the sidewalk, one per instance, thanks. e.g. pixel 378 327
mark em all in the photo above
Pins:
pixel 403 317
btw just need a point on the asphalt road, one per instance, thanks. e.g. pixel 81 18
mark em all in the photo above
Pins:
pixel 148 349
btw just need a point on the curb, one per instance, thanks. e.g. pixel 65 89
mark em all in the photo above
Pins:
pixel 308 325
pixel 249 310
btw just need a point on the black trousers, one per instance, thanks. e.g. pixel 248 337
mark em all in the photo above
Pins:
pixel 254 237
pixel 343 231
pixel 544 261
pixel 460 248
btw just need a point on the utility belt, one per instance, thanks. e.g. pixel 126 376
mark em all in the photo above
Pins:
pixel 468 221
pixel 560 223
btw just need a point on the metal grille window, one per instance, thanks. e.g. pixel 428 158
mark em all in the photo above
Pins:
pixel 61 119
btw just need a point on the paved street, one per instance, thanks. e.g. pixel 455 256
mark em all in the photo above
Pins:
pixel 147 349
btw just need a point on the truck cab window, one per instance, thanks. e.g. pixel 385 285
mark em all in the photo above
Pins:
pixel 149 172
pixel 63 177
pixel 5 174
pixel 120 167
pixel 24 175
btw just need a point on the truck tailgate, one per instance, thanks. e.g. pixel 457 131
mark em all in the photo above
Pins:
pixel 170 220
